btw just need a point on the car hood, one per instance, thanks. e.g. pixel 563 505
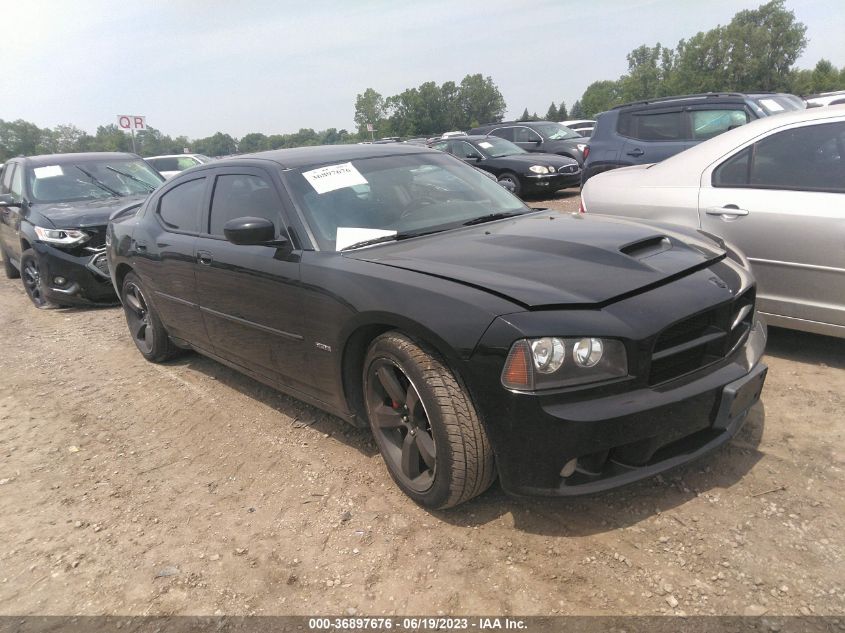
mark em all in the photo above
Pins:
pixel 550 259
pixel 84 213
pixel 538 158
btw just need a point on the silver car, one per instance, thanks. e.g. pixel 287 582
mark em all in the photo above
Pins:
pixel 776 189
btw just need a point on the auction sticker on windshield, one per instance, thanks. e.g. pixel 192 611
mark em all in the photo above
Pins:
pixel 325 179
pixel 48 172
pixel 485 144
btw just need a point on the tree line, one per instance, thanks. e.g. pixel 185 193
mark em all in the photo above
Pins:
pixel 755 51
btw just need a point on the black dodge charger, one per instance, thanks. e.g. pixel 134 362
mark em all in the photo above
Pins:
pixel 523 173
pixel 396 287
pixel 53 215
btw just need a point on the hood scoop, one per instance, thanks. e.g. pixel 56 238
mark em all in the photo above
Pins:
pixel 641 249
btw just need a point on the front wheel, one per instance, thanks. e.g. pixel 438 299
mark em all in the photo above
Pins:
pixel 510 182
pixel 425 424
pixel 145 326
pixel 33 282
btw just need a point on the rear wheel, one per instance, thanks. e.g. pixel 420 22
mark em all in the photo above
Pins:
pixel 145 326
pixel 33 283
pixel 425 424
pixel 510 181
pixel 8 266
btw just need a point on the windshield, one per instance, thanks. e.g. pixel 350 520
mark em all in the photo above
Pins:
pixel 776 103
pixel 496 147
pixel 555 131
pixel 401 196
pixel 91 180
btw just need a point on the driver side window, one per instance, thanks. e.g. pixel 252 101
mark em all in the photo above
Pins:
pixel 525 135
pixel 464 150
pixel 242 195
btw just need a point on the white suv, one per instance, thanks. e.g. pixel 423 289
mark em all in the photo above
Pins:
pixel 171 164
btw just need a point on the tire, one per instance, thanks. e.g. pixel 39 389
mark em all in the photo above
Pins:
pixel 8 266
pixel 33 284
pixel 512 181
pixel 424 422
pixel 145 326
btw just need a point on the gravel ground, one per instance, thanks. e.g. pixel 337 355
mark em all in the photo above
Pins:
pixel 186 488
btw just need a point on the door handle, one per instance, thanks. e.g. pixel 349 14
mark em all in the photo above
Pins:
pixel 141 247
pixel 727 211
pixel 205 258
pixel 636 152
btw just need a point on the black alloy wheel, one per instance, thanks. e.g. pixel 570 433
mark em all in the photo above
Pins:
pixel 425 424
pixel 138 317
pixel 145 326
pixel 33 283
pixel 400 420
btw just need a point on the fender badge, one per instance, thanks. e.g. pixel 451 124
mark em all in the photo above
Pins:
pixel 323 346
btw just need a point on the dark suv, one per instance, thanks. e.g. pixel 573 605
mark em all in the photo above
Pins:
pixel 53 215
pixel 547 137
pixel 650 131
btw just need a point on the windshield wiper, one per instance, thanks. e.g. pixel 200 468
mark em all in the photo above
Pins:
pixel 390 238
pixel 493 216
pixel 123 173
pixel 97 182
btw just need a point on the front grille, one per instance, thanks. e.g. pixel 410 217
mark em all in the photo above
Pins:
pixel 568 169
pixel 701 340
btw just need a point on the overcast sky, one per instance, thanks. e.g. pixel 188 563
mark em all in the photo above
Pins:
pixel 194 67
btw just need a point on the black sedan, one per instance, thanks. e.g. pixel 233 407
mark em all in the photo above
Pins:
pixel 396 287
pixel 53 215
pixel 521 172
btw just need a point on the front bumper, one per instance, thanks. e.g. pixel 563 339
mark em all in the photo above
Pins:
pixel 85 272
pixel 551 182
pixel 625 437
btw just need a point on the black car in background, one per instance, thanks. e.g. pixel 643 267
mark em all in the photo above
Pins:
pixel 523 173
pixel 652 130
pixel 395 286
pixel 53 215
pixel 547 137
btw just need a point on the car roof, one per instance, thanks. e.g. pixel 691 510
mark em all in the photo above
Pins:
pixel 467 137
pixel 528 123
pixel 710 97
pixel 82 157
pixel 316 154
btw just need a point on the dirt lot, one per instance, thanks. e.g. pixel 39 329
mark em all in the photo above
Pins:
pixel 187 488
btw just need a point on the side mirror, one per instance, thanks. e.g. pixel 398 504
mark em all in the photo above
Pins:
pixel 249 231
pixel 7 200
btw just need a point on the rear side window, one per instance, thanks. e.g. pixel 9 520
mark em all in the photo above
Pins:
pixel 503 132
pixel 7 178
pixel 809 158
pixel 180 208
pixel 709 123
pixel 662 126
pixel 242 195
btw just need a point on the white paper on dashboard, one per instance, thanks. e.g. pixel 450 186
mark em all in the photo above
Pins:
pixel 48 172
pixel 485 144
pixel 347 236
pixel 325 179
pixel 771 104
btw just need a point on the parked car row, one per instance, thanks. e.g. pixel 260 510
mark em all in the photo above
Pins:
pixel 400 287
pixel 776 189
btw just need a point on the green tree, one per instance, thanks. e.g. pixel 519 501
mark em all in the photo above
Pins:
pixel 562 114
pixel 525 116
pixel 219 144
pixel 826 77
pixel 110 138
pixel 598 97
pixel 253 142
pixel 369 109
pixel 481 101
pixel 551 113
pixel 577 111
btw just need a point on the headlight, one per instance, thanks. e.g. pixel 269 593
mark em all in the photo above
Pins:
pixel 62 237
pixel 544 363
pixel 539 169
pixel 581 146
